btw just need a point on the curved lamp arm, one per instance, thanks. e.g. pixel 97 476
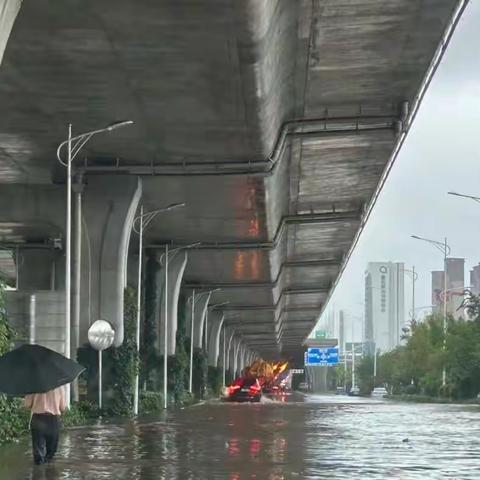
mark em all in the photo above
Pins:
pixel 80 140
pixel 149 216
pixel 176 250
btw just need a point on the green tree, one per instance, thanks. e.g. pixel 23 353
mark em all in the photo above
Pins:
pixel 364 374
pixel 463 358
pixel 416 367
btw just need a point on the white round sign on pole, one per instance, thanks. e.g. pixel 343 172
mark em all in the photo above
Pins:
pixel 100 336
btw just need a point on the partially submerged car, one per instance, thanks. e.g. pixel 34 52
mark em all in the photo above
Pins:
pixel 243 390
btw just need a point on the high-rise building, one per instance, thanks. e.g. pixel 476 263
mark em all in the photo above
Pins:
pixel 455 287
pixel 475 280
pixel 384 304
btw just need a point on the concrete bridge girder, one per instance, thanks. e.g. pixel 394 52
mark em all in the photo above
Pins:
pixel 276 43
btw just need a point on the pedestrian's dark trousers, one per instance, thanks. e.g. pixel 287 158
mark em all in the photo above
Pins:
pixel 45 429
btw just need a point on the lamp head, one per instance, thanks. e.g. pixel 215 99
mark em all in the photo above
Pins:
pixel 216 305
pixel 119 124
pixel 192 245
pixel 175 205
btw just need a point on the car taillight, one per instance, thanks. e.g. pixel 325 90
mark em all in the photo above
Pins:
pixel 232 389
pixel 255 388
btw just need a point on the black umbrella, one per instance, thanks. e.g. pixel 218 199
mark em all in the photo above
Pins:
pixel 35 369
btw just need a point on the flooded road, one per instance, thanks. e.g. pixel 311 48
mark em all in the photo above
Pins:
pixel 321 437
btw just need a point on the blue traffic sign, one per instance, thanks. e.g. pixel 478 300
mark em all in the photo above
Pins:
pixel 322 356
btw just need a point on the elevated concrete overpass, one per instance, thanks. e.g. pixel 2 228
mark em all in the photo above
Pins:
pixel 276 121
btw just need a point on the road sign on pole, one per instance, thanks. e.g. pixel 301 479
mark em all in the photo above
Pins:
pixel 322 356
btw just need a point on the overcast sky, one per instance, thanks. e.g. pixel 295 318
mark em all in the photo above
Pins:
pixel 441 154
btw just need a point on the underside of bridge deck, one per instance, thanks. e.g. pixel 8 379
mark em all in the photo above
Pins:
pixel 273 120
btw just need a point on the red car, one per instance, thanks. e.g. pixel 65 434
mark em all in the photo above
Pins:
pixel 244 390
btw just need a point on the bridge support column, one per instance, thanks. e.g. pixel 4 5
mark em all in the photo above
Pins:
pixel 244 357
pixel 233 355
pixel 215 323
pixel 199 320
pixel 8 13
pixel 236 361
pixel 229 334
pixel 176 267
pixel 109 206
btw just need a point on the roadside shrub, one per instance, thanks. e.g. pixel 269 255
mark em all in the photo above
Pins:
pixel 151 402
pixel 411 389
pixel 80 413
pixel 215 379
pixel 200 373
pixel 13 417
pixel 121 364
pixel 179 364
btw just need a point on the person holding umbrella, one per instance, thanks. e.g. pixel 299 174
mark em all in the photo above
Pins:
pixel 39 374
pixel 46 410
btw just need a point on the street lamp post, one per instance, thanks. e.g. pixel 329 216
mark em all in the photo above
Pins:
pixel 139 225
pixel 445 249
pixel 74 145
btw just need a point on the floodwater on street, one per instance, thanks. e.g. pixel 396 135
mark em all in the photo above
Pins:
pixel 331 437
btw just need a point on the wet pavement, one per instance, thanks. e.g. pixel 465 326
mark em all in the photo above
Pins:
pixel 329 437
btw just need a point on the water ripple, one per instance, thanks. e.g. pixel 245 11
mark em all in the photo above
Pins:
pixel 323 437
